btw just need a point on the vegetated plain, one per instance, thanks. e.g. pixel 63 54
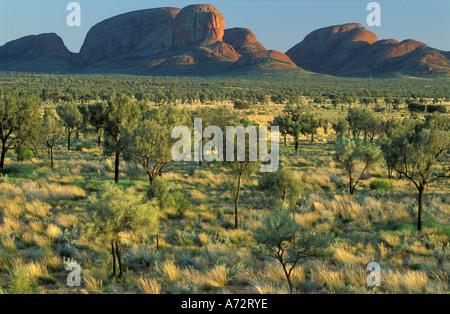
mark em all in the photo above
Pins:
pixel 173 229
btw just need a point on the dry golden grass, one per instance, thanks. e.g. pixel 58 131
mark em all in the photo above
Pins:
pixel 203 238
pixel 170 270
pixel 42 241
pixel 391 239
pixel 52 261
pixel 419 248
pixel 10 226
pixel 37 208
pixel 10 191
pixel 408 281
pixel 356 275
pixel 383 250
pixel 66 220
pixel 332 278
pixel 92 284
pixel 217 277
pixel 148 285
pixel 268 288
pixel 53 231
pixel 198 195
pixel 307 219
pixel 33 269
pixel 12 207
pixel 41 190
pixel 9 244
pixel 344 253
pixel 36 225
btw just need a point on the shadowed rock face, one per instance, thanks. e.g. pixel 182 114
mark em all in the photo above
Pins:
pixel 328 48
pixel 34 46
pixel 351 50
pixel 145 32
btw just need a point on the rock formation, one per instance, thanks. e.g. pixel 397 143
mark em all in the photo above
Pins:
pixel 198 23
pixel 351 50
pixel 36 53
pixel 243 40
pixel 145 32
pixel 168 37
pixel 34 46
pixel 193 40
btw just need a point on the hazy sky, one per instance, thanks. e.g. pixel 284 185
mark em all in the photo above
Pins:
pixel 278 24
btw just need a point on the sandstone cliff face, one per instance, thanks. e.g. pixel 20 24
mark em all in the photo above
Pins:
pixel 197 23
pixel 147 32
pixel 351 50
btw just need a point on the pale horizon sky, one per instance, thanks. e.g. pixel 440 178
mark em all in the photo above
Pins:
pixel 278 24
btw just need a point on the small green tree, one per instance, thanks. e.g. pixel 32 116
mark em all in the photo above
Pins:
pixel 71 117
pixel 340 127
pixel 50 133
pixel 310 123
pixel 116 214
pixel 98 116
pixel 391 129
pixel 356 158
pixel 282 185
pixel 19 121
pixel 149 142
pixel 283 238
pixel 159 191
pixel 295 128
pixel 366 121
pixel 422 156
pixel 283 123
pixel 241 167
pixel 120 114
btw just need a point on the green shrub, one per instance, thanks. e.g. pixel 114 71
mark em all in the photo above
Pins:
pixel 46 280
pixel 413 107
pixel 109 167
pixel 24 154
pixel 21 282
pixel 134 173
pixel 180 203
pixel 380 185
pixel 159 191
pixel 436 108
pixel 241 105
pixel 12 170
